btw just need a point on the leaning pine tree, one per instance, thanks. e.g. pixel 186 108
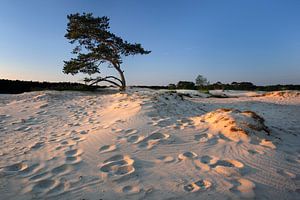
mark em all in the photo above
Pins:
pixel 97 46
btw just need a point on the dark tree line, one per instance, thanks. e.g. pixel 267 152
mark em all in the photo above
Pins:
pixel 16 86
pixel 250 86
pixel 232 86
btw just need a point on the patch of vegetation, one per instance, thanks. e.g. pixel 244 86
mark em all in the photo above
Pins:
pixel 16 86
pixel 153 87
pixel 186 85
pixel 247 86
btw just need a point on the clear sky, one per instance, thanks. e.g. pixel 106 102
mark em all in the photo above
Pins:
pixel 224 40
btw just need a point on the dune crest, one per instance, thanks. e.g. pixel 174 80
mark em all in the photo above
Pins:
pixel 234 124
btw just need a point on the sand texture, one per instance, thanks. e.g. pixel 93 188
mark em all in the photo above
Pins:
pixel 146 144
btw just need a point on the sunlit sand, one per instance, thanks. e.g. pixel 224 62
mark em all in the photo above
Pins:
pixel 146 144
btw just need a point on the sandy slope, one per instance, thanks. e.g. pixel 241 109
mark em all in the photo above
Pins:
pixel 149 145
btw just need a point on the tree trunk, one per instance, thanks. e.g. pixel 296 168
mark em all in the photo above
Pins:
pixel 121 72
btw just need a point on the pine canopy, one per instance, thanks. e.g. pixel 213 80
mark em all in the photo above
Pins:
pixel 96 45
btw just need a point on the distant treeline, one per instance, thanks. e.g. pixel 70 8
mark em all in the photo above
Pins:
pixel 153 87
pixel 249 86
pixel 16 86
pixel 221 86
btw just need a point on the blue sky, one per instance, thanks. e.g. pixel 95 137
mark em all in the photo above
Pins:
pixel 224 40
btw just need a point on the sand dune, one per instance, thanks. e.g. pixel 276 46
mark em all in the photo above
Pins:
pixel 146 144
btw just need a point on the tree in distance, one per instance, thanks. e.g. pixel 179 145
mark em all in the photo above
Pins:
pixel 201 81
pixel 97 46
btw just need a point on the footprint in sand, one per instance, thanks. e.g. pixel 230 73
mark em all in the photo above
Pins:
pixel 201 137
pixel 165 159
pixel 183 123
pixel 120 121
pixel 69 142
pixel 58 189
pixel 78 139
pixel 130 189
pixel 83 132
pixel 43 106
pixel 129 132
pixel 118 130
pixel 134 139
pixel 64 168
pixel 227 167
pixel 44 186
pixel 200 185
pixel 162 122
pixel 37 146
pixel 73 156
pixel 14 168
pixel 267 143
pixel 227 163
pixel 150 141
pixel 59 148
pixel 244 188
pixel 106 126
pixel 41 112
pixel 286 173
pixel 117 166
pixel 204 137
pixel 23 128
pixel 189 155
pixel 73 152
pixel 30 170
pixel 73 160
pixel 107 148
pixel 206 159
pixel 52 139
pixel 204 162
pixel 74 124
pixel 41 176
pixel 253 152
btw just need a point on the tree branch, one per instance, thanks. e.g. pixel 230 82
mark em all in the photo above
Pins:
pixel 114 78
pixel 100 79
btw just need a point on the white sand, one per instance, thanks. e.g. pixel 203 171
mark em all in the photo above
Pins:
pixel 149 145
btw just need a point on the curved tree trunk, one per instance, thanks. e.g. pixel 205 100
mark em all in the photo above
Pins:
pixel 123 81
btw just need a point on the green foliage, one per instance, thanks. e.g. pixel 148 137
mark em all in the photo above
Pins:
pixel 201 81
pixel 233 86
pixel 171 86
pixel 95 46
pixel 16 86
pixel 186 85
